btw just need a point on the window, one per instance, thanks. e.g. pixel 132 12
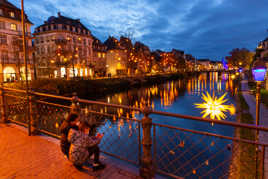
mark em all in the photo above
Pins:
pixel 1 11
pixel 13 26
pixel 3 39
pixel 12 14
pixel 4 56
pixel 2 25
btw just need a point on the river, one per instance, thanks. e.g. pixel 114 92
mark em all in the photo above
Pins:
pixel 178 152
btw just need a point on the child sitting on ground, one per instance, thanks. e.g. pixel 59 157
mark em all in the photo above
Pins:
pixel 83 146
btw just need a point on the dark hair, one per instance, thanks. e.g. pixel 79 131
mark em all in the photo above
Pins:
pixel 84 124
pixel 72 117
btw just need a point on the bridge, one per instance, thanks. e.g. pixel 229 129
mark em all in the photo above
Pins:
pixel 152 149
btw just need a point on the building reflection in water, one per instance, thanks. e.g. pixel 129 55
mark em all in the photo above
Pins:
pixel 169 92
pixel 162 96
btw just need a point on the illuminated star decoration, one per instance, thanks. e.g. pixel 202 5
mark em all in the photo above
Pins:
pixel 215 107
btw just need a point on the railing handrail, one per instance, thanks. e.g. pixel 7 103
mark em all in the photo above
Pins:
pixel 210 134
pixel 228 123
pixel 196 118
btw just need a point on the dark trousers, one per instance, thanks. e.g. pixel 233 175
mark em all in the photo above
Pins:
pixel 96 151
pixel 65 147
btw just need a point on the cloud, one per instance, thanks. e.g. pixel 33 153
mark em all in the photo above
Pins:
pixel 204 28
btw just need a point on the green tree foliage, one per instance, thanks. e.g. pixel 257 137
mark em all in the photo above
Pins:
pixel 240 57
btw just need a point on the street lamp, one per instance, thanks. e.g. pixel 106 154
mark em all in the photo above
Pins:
pixel 259 72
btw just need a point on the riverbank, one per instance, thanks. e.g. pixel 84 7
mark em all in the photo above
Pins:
pixel 96 88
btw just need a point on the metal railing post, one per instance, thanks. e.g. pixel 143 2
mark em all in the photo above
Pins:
pixel 3 105
pixel 75 107
pixel 28 114
pixel 263 163
pixel 33 120
pixel 146 168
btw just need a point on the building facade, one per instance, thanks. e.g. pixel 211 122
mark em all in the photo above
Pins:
pixel 63 48
pixel 116 59
pixel 12 66
pixel 263 53
pixel 99 58
pixel 116 62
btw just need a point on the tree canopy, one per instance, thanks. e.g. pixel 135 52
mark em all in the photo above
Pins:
pixel 240 57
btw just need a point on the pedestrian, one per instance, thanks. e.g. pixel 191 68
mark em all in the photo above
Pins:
pixel 69 123
pixel 83 146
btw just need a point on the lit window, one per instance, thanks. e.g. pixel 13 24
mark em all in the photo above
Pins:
pixel 99 55
pixel 63 72
pixel 81 72
pixel 12 14
pixel 13 26
pixel 75 71
pixel 103 55
pixel 55 73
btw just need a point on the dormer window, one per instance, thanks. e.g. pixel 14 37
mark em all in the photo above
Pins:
pixel 12 14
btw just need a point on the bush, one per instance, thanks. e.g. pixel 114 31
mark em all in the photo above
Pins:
pixel 264 97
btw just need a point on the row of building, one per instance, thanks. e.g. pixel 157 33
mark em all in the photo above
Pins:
pixel 64 48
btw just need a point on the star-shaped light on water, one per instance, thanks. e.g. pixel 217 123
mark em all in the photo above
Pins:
pixel 214 106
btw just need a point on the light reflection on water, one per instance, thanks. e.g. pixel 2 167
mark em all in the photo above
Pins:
pixel 170 95
pixel 176 96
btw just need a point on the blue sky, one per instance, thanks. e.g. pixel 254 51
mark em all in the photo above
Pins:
pixel 203 28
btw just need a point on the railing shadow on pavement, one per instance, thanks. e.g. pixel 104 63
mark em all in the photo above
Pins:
pixel 175 151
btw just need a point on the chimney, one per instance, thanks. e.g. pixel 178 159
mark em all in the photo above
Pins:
pixel 59 14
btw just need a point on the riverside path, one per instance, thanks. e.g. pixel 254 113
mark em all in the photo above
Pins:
pixel 23 156
pixel 251 101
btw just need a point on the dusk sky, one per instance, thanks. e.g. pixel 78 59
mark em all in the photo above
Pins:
pixel 203 28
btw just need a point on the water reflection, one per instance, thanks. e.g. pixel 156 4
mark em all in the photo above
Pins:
pixel 176 96
pixel 171 91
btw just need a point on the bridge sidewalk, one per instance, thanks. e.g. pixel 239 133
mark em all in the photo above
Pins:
pixel 23 156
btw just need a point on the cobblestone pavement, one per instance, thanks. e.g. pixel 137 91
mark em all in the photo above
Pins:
pixel 251 101
pixel 30 157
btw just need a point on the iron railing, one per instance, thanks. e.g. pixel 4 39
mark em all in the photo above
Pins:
pixel 176 151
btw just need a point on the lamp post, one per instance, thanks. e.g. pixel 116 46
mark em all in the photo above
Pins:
pixel 26 66
pixel 259 72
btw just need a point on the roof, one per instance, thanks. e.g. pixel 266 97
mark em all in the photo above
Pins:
pixel 8 5
pixel 65 21
pixel 204 60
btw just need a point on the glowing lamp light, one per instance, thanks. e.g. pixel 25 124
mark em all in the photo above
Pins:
pixel 259 74
pixel 215 107
pixel 259 70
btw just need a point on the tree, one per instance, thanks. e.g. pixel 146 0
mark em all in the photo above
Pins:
pixel 240 58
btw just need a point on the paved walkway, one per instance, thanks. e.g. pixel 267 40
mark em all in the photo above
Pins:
pixel 23 156
pixel 251 101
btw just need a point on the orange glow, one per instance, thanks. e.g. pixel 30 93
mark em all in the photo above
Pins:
pixel 215 107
